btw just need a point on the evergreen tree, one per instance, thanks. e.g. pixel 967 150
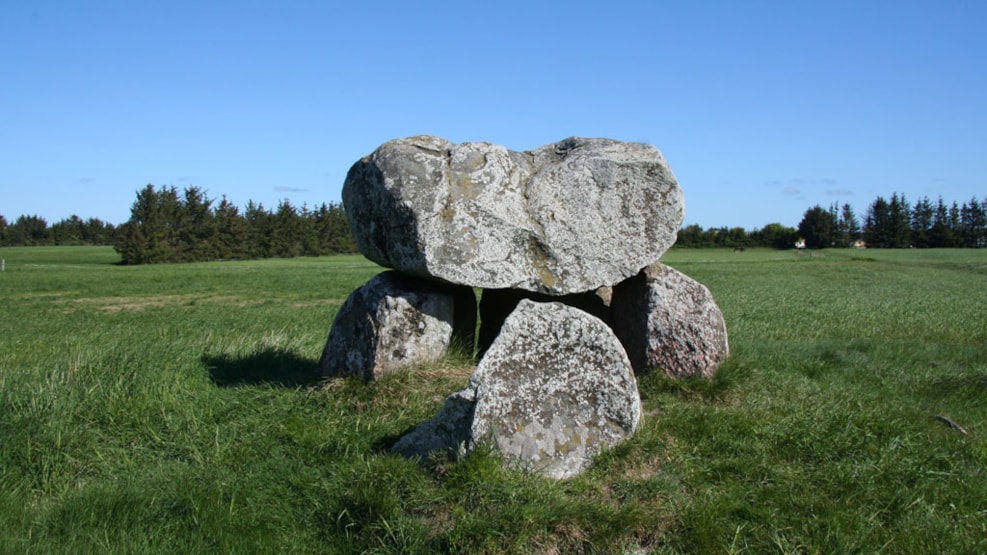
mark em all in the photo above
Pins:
pixel 956 225
pixel 29 231
pixel 98 232
pixel 877 224
pixel 288 231
pixel 152 233
pixel 332 229
pixel 231 232
pixel 941 234
pixel 923 214
pixel 258 220
pixel 888 224
pixel 137 237
pixel 74 231
pixel 68 231
pixel 848 226
pixel 3 230
pixel 973 224
pixel 900 222
pixel 196 227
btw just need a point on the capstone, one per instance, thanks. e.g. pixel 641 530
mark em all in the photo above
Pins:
pixel 564 218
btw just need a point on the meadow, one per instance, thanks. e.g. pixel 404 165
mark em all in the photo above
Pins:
pixel 176 408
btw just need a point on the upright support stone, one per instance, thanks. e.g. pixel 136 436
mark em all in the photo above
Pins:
pixel 394 321
pixel 554 389
pixel 669 321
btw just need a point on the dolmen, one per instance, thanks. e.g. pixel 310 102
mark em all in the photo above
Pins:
pixel 563 243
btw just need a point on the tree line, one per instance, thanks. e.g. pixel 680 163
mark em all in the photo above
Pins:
pixel 29 231
pixel 166 226
pixel 897 223
pixel 888 223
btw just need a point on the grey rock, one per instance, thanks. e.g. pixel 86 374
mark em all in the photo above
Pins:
pixel 553 391
pixel 394 321
pixel 564 218
pixel 669 321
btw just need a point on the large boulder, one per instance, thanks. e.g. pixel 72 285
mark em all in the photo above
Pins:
pixel 394 321
pixel 669 321
pixel 553 390
pixel 564 218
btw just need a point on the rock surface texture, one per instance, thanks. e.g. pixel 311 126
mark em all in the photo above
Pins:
pixel 394 321
pixel 667 320
pixel 564 218
pixel 553 390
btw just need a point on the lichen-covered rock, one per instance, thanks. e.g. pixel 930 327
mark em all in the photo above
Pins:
pixel 394 321
pixel 564 218
pixel 553 390
pixel 667 320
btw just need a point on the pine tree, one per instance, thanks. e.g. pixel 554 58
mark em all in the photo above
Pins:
pixel 956 225
pixel 941 234
pixel 332 230
pixel 196 227
pixel 288 231
pixel 68 231
pixel 878 223
pixel 138 237
pixel 3 230
pixel 923 214
pixel 900 221
pixel 973 224
pixel 849 225
pixel 258 220
pixel 231 232
pixel 29 231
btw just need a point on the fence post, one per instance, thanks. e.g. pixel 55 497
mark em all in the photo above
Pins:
pixel 3 264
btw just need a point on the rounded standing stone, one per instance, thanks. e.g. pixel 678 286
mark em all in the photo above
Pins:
pixel 394 321
pixel 669 321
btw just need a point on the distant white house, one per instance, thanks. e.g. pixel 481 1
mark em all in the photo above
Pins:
pixel 800 244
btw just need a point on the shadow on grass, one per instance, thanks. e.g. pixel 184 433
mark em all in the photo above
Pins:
pixel 383 444
pixel 276 367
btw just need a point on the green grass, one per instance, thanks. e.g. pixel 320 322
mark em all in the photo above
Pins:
pixel 175 408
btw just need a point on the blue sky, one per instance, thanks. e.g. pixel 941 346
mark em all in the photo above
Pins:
pixel 762 108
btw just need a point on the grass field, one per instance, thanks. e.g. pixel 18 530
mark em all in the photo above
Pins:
pixel 174 408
